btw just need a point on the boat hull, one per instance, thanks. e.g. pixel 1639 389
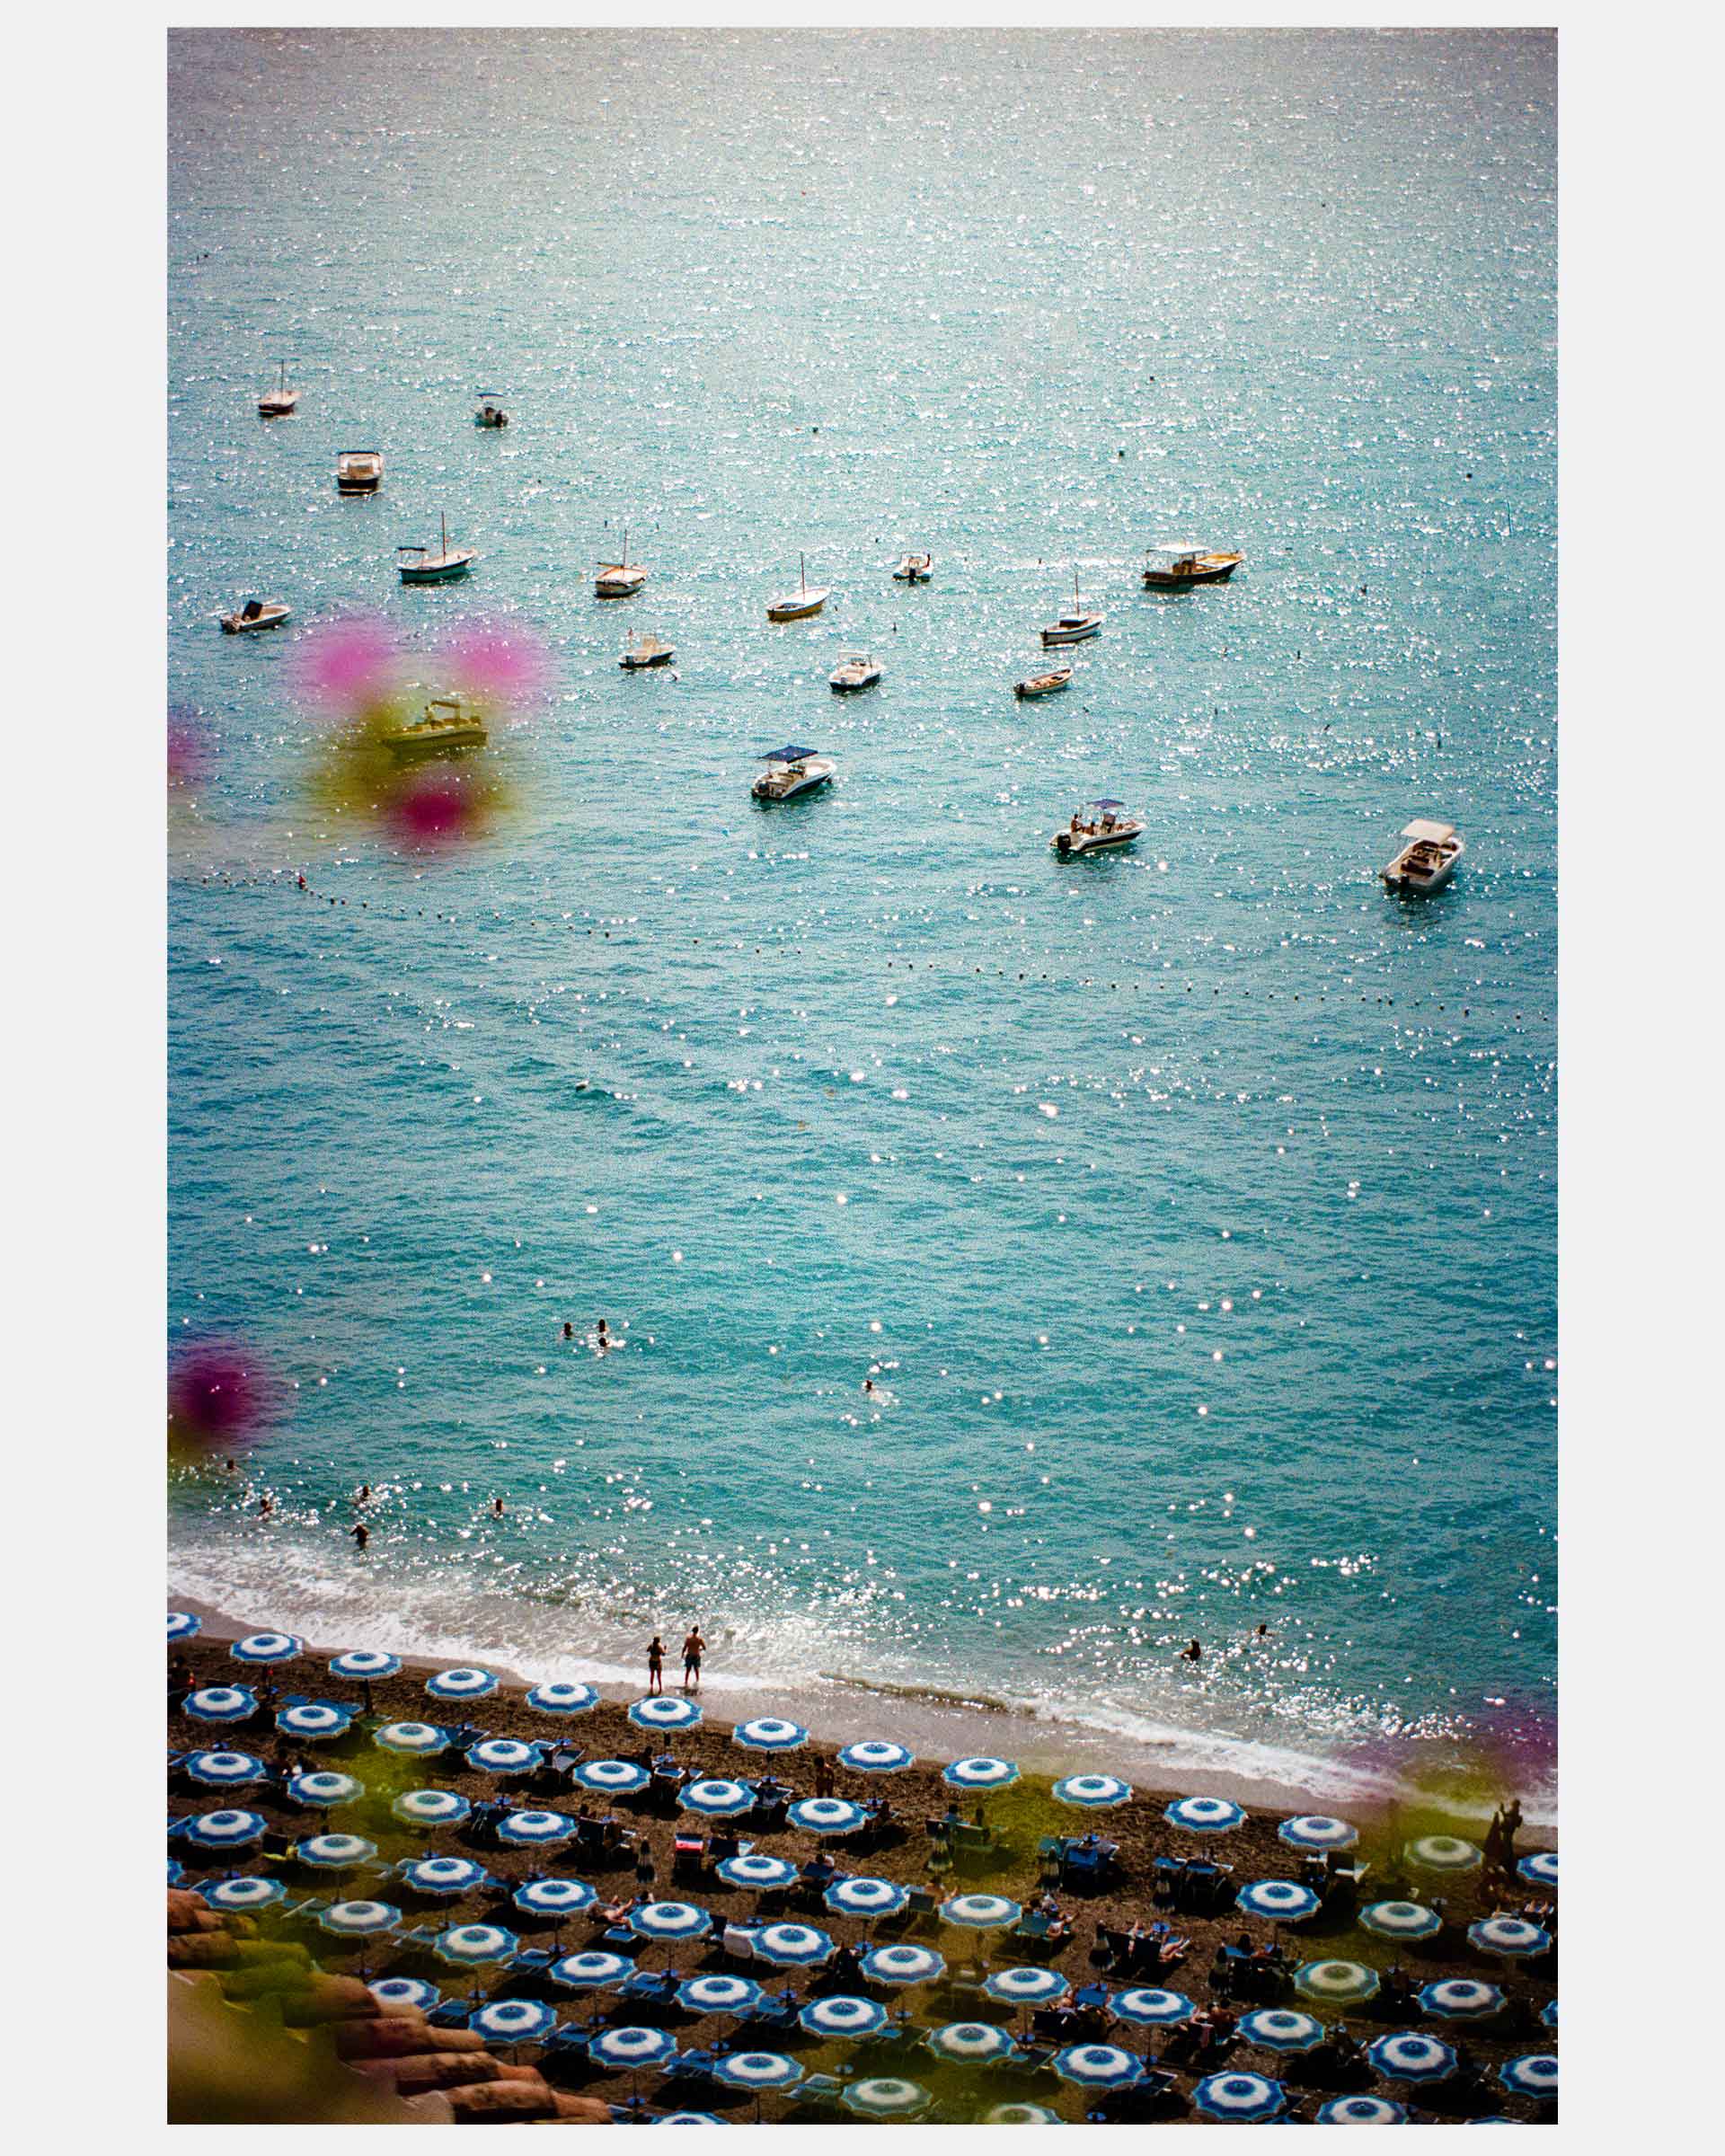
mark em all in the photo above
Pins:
pixel 1397 878
pixel 1053 637
pixel 632 665
pixel 446 572
pixel 452 744
pixel 769 793
pixel 276 408
pixel 234 624
pixel 1028 692
pixel 1071 846
pixel 1162 580
pixel 854 688
pixel 795 610
pixel 618 588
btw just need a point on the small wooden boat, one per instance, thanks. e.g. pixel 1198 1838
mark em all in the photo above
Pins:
pixel 1073 628
pixel 1173 568
pixel 277 404
pixel 647 651
pixel 855 670
pixel 450 726
pixel 791 770
pixel 799 605
pixel 1098 827
pixel 490 413
pixel 256 613
pixel 620 580
pixel 360 471
pixel 915 569
pixel 1428 860
pixel 1044 685
pixel 419 565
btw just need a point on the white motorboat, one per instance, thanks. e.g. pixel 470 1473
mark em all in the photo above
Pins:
pixel 1073 628
pixel 278 404
pixel 1098 827
pixel 1177 568
pixel 647 651
pixel 854 670
pixel 791 770
pixel 490 413
pixel 1428 860
pixel 450 725
pixel 1049 684
pixel 419 565
pixel 915 569
pixel 799 605
pixel 620 580
pixel 360 471
pixel 256 613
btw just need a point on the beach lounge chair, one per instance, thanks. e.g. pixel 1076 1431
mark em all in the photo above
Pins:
pixel 817 2092
pixel 737 1942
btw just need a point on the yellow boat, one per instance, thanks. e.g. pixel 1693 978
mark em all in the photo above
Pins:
pixel 448 727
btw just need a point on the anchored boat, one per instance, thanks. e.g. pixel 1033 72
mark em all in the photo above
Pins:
pixel 256 613
pixel 1174 568
pixel 802 602
pixel 419 565
pixel 360 471
pixel 620 580
pixel 855 670
pixel 915 569
pixel 1073 628
pixel 791 770
pixel 1428 860
pixel 490 413
pixel 1098 827
pixel 450 726
pixel 1043 684
pixel 647 651
pixel 277 404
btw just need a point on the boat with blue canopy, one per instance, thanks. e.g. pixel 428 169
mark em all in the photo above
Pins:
pixel 1098 827
pixel 791 770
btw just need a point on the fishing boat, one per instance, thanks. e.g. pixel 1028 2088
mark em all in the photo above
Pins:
pixel 1174 568
pixel 276 403
pixel 799 605
pixel 490 413
pixel 450 726
pixel 1073 628
pixel 915 569
pixel 256 613
pixel 419 565
pixel 620 580
pixel 855 670
pixel 360 471
pixel 1044 685
pixel 791 770
pixel 1098 827
pixel 1428 860
pixel 647 651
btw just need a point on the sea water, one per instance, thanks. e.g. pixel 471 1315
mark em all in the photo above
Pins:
pixel 1193 1210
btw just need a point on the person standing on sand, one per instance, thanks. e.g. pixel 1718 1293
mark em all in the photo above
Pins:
pixel 692 1651
pixel 823 1775
pixel 655 1665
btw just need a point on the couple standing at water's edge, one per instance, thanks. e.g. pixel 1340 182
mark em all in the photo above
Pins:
pixel 694 1647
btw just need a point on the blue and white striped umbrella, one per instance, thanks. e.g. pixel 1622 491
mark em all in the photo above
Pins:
pixel 504 1755
pixel 1027 1986
pixel 1548 2013
pixel 1280 2028
pixel 1281 1899
pixel 1317 1830
pixel 1022 2115
pixel 718 1994
pixel 513 2021
pixel 471 1946
pixel 1362 2111
pixel 443 1875
pixel 663 1710
pixel 669 1920
pixel 770 1732
pixel 245 1896
pixel 756 1872
pixel 268 1647
pixel 1539 1868
pixel 554 1897
pixel 183 1625
pixel 325 1790
pixel 335 1853
pixel 866 1897
pixel 467 1683
pixel 1240 2100
pixel 316 1722
pixel 1461 1999
pixel 980 1911
pixel 690 2118
pixel 363 1663
pixel 221 1703
pixel 612 1777
pixel 903 1965
pixel 563 1699
pixel 631 2049
pixel 358 1920
pixel 717 1799
pixel 981 1774
pixel 1099 2066
pixel 1336 1982
pixel 1093 1792
pixel 226 1770
pixel 1151 2007
pixel 874 1756
pixel 1509 1935
pixel 1204 1814
pixel 176 1871
pixel 759 2071
pixel 226 1830
pixel 1442 1852
pixel 970 2044
pixel 843 2017
pixel 406 1990
pixel 535 1829
pixel 1401 1920
pixel 827 1816
pixel 1412 2057
pixel 430 1807
pixel 792 1945
pixel 885 2096
pixel 418 1739
pixel 1535 2075
pixel 590 1970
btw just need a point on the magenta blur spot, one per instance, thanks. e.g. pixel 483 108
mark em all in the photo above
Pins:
pixel 218 1394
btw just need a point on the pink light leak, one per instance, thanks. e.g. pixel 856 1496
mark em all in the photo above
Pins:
pixel 432 809
pixel 219 1394
pixel 346 666
pixel 191 749
pixel 497 662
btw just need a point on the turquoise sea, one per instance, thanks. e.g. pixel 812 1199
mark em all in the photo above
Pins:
pixel 1195 1210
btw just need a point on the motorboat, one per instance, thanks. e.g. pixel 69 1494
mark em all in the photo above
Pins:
pixel 490 413
pixel 855 670
pixel 1428 860
pixel 419 565
pixel 799 605
pixel 1174 568
pixel 1044 685
pixel 647 651
pixel 1073 628
pixel 620 580
pixel 277 404
pixel 256 613
pixel 915 569
pixel 450 726
pixel 1098 827
pixel 791 770
pixel 360 471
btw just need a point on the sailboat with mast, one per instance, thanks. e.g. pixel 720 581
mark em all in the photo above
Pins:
pixel 1075 627
pixel 419 565
pixel 620 580
pixel 278 404
pixel 799 605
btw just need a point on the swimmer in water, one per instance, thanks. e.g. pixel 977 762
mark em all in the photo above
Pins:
pixel 364 1497
pixel 868 1384
pixel 604 1336
pixel 266 1505
pixel 569 1330
pixel 361 1536
pixel 1194 1653
pixel 497 1508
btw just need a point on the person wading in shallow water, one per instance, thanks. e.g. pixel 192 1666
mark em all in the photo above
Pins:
pixel 361 1536
pixel 692 1649
pixel 1194 1653
pixel 655 1663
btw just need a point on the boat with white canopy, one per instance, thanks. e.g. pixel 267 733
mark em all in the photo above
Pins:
pixel 647 651
pixel 1428 860
pixel 1098 827
pixel 419 565
pixel 791 770
pixel 799 605
pixel 915 569
pixel 360 471
pixel 450 726
pixel 490 413
pixel 1174 568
